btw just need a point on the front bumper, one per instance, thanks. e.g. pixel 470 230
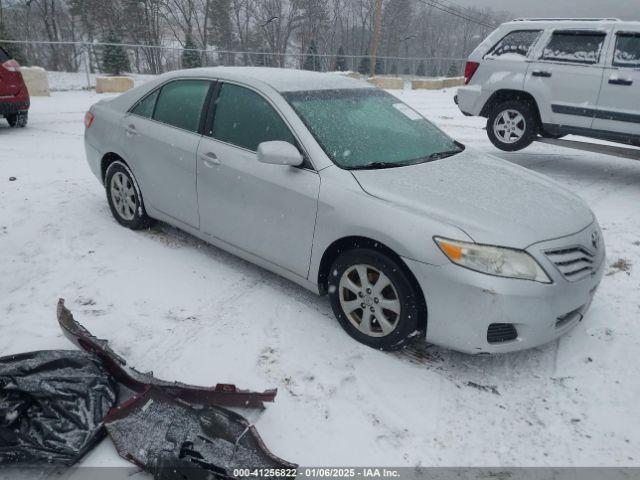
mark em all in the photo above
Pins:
pixel 462 303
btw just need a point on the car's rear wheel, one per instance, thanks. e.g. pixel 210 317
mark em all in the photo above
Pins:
pixel 373 298
pixel 512 125
pixel 124 197
pixel 18 120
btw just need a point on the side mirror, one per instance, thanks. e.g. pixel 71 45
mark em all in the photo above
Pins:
pixel 279 153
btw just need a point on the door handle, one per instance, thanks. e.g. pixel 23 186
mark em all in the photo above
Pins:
pixel 209 159
pixel 620 81
pixel 131 131
pixel 540 73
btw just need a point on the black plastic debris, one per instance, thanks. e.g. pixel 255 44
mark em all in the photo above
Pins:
pixel 52 404
pixel 173 439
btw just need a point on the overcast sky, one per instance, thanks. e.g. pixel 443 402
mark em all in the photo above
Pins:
pixel 624 9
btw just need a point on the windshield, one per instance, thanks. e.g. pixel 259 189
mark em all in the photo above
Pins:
pixel 369 128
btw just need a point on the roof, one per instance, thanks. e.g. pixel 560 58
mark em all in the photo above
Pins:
pixel 571 23
pixel 280 79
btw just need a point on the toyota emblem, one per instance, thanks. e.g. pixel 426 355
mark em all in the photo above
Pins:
pixel 595 240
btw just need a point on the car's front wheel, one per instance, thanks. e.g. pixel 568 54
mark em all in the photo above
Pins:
pixel 373 298
pixel 18 120
pixel 512 125
pixel 124 197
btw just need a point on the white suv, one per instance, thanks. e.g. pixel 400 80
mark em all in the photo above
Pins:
pixel 554 77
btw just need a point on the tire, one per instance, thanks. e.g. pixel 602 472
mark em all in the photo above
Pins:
pixel 512 125
pixel 555 136
pixel 124 197
pixel 399 293
pixel 18 120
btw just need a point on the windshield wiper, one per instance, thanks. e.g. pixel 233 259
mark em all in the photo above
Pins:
pixel 375 165
pixel 444 154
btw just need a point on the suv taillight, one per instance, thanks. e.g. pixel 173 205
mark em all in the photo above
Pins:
pixel 88 119
pixel 11 66
pixel 469 70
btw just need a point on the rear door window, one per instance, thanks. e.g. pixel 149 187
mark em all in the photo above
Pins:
pixel 144 107
pixel 180 103
pixel 575 46
pixel 245 119
pixel 515 44
pixel 627 51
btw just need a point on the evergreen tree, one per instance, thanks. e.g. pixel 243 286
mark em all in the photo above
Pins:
pixel 407 70
pixel 453 71
pixel 13 49
pixel 379 67
pixel 421 71
pixel 114 57
pixel 311 60
pixel 341 60
pixel 394 69
pixel 364 67
pixel 190 57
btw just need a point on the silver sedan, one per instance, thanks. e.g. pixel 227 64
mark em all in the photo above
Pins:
pixel 340 187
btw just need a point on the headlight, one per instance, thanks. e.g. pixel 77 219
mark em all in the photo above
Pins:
pixel 501 262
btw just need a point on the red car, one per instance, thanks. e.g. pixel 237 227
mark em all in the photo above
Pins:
pixel 14 97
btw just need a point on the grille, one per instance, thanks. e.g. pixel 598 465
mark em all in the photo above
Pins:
pixel 574 263
pixel 501 332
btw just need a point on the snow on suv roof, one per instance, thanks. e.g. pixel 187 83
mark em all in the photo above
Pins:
pixel 571 22
pixel 280 79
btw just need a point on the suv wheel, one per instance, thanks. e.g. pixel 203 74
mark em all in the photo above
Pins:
pixel 124 198
pixel 373 299
pixel 18 120
pixel 512 125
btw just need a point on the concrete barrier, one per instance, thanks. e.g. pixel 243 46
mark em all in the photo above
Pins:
pixel 36 80
pixel 427 84
pixel 388 83
pixel 437 83
pixel 453 82
pixel 113 84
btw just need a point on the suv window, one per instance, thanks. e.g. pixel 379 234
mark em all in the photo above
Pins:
pixel 145 107
pixel 245 119
pixel 627 52
pixel 515 43
pixel 575 46
pixel 180 103
pixel 4 56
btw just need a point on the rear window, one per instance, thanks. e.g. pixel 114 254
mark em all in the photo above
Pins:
pixel 627 52
pixel 575 47
pixel 516 44
pixel 4 56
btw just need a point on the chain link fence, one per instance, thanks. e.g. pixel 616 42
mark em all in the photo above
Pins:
pixel 98 58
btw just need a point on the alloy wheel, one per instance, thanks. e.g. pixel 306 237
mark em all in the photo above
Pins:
pixel 369 300
pixel 123 196
pixel 509 126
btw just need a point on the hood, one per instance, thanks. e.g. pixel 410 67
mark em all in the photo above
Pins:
pixel 491 200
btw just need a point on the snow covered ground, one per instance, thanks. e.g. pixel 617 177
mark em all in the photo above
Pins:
pixel 191 312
